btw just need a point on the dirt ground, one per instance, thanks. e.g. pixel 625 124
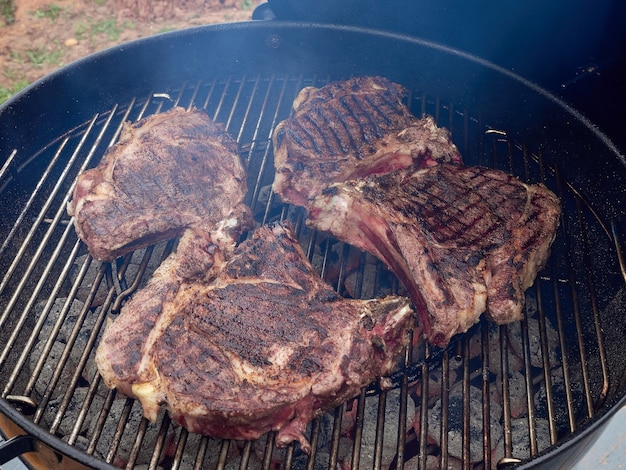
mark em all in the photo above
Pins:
pixel 47 34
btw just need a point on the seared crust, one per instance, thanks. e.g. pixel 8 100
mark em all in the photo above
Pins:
pixel 123 355
pixel 167 172
pixel 266 345
pixel 460 239
pixel 349 130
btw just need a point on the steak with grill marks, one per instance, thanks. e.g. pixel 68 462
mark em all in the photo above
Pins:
pixel 460 239
pixel 264 345
pixel 348 130
pixel 167 172
pixel 124 354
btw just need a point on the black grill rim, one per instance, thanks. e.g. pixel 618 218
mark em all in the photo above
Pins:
pixel 15 111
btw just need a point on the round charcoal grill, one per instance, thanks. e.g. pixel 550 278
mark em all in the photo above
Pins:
pixel 527 394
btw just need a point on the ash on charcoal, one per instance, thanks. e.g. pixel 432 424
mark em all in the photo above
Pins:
pixel 514 360
pixel 390 432
pixel 50 365
pixel 70 416
pixel 435 383
pixel 534 336
pixel 69 322
pixel 88 281
pixel 64 327
pixel 130 433
pixel 520 439
pixel 455 423
pixel 302 462
pixel 517 394
pixel 560 402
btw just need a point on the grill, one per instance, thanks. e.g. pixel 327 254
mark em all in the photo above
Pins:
pixel 498 396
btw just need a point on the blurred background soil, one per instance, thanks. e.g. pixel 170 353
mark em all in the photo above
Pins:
pixel 39 36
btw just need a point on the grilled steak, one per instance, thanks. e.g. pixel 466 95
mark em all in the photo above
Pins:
pixel 124 355
pixel 460 239
pixel 265 345
pixel 167 172
pixel 348 130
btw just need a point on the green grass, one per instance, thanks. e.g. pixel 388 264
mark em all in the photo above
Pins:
pixel 109 28
pixel 7 12
pixel 6 93
pixel 42 55
pixel 39 56
pixel 51 11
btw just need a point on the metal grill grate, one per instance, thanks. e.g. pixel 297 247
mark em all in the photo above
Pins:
pixel 496 396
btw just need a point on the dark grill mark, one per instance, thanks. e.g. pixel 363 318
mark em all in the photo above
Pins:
pixel 351 144
pixel 299 135
pixel 333 139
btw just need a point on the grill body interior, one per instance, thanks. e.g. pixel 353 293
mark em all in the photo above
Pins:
pixel 523 394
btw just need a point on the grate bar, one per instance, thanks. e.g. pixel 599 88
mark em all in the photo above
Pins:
pixel 506 395
pixel 102 417
pixel 36 291
pixel 250 107
pixel 48 235
pixel 134 452
pixel 264 159
pixel 486 411
pixel 31 199
pixel 547 376
pixel 21 360
pixel 40 363
pixel 269 448
pixel 591 285
pixel 117 437
pixel 334 449
pixel 404 398
pixel 580 341
pixel 84 409
pixel 423 423
pixel 7 166
pixel 380 430
pixel 358 431
pixel 180 448
pixel 528 377
pixel 137 280
pixel 201 453
pixel 445 404
pixel 466 460
pixel 81 363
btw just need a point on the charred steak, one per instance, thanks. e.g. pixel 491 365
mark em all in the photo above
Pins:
pixel 348 130
pixel 460 239
pixel 167 172
pixel 265 345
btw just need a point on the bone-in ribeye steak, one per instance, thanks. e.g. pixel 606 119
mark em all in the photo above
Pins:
pixel 263 345
pixel 460 239
pixel 348 130
pixel 167 172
